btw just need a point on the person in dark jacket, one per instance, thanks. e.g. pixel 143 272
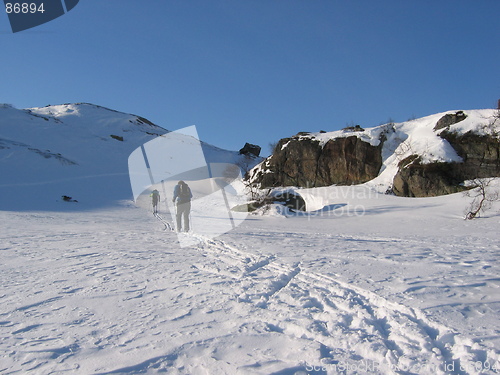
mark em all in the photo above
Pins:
pixel 155 199
pixel 182 198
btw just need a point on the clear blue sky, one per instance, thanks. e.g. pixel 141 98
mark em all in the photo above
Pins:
pixel 259 70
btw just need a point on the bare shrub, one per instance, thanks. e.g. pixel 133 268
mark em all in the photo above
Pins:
pixel 483 194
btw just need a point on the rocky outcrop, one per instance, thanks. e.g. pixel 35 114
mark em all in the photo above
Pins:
pixel 250 149
pixel 481 154
pixel 435 157
pixel 349 160
pixel 450 119
pixel 305 162
pixel 481 158
pixel 117 137
pixel 415 179
pixel 287 198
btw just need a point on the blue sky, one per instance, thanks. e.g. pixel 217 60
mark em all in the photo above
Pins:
pixel 259 70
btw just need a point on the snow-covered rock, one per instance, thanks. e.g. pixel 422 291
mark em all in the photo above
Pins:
pixel 429 156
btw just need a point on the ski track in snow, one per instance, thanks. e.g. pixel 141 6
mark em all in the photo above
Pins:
pixel 332 313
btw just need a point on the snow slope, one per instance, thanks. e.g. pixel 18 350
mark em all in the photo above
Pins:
pixel 78 150
pixel 66 150
pixel 371 284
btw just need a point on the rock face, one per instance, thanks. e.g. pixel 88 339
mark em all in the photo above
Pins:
pixel 481 154
pixel 481 158
pixel 304 162
pixel 348 161
pixel 250 149
pixel 415 179
pixel 450 119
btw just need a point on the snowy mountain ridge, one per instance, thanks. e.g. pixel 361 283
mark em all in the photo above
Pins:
pixel 476 121
pixel 78 150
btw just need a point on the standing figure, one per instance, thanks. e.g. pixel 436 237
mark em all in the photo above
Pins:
pixel 155 199
pixel 183 195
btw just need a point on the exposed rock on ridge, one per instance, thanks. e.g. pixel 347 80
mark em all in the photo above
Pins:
pixel 425 157
pixel 480 154
pixel 305 162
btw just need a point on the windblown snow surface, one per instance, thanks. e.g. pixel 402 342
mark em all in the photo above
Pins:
pixel 367 283
pixel 372 284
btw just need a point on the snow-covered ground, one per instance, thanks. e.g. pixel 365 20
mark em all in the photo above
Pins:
pixel 363 283
pixel 369 284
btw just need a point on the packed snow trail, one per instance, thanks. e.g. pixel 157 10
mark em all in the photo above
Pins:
pixel 166 223
pixel 346 321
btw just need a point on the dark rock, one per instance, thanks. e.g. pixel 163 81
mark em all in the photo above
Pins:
pixel 450 119
pixel 347 161
pixel 292 164
pixel 415 179
pixel 117 137
pixel 250 149
pixel 356 128
pixel 68 199
pixel 142 120
pixel 481 154
pixel 290 200
pixel 305 163
pixel 481 158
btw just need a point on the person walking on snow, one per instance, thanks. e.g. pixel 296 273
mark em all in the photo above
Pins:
pixel 155 199
pixel 183 195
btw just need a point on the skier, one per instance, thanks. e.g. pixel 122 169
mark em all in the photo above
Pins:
pixel 183 195
pixel 155 196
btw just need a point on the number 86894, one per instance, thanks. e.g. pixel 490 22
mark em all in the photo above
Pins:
pixel 24 8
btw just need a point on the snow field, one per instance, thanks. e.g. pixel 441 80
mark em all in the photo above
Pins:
pixel 408 287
